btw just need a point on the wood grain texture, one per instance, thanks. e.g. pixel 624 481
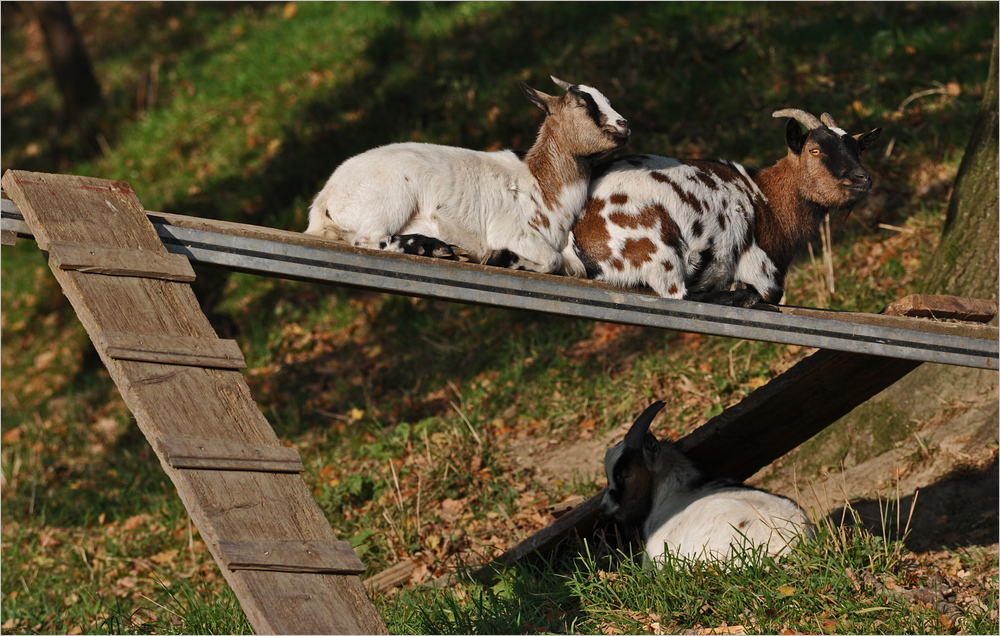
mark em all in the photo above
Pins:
pixel 319 557
pixel 112 261
pixel 943 308
pixel 192 402
pixel 188 452
pixel 184 350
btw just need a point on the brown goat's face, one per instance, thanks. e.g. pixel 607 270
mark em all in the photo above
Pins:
pixel 829 162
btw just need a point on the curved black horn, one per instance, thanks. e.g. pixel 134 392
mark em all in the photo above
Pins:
pixel 801 116
pixel 828 121
pixel 635 435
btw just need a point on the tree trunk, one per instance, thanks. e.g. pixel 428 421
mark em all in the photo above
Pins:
pixel 965 263
pixel 70 63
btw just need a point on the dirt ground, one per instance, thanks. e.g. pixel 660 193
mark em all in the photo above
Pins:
pixel 947 462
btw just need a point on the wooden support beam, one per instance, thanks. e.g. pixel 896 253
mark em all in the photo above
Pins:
pixel 177 378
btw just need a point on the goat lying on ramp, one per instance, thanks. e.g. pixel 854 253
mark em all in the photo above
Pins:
pixel 682 509
pixel 690 229
pixel 500 208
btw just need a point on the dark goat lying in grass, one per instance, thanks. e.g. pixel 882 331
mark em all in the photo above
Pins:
pixel 681 509
pixel 690 229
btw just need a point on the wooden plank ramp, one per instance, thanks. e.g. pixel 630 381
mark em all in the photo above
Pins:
pixel 777 417
pixel 240 485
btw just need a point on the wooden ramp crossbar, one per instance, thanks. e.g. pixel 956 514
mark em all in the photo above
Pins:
pixel 182 383
pixel 293 255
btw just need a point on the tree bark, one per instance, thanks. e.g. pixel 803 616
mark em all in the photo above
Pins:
pixel 965 263
pixel 70 63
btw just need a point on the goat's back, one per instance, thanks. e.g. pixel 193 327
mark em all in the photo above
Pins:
pixel 713 523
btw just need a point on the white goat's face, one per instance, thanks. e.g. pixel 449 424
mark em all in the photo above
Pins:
pixel 583 118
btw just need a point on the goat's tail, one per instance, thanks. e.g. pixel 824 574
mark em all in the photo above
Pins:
pixel 320 224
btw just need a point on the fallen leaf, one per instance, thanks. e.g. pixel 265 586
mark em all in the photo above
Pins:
pixel 135 521
pixel 166 557
pixel 13 435
pixel 786 590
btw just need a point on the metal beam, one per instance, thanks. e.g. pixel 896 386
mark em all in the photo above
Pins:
pixel 294 256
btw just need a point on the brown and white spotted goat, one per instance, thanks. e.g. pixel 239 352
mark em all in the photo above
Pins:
pixel 690 229
pixel 499 207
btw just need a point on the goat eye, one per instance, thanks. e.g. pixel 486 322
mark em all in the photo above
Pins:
pixel 814 152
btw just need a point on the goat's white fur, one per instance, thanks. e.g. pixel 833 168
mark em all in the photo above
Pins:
pixel 482 202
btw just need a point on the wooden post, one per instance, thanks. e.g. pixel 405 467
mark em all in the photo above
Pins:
pixel 241 487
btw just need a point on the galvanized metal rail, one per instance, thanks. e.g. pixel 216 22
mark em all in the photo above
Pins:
pixel 292 255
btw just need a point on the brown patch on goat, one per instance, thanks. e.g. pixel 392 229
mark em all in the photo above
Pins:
pixel 619 198
pixel 638 252
pixel 672 290
pixel 657 176
pixel 722 171
pixel 618 264
pixel 670 232
pixel 591 233
pixel 722 221
pixel 668 266
pixel 539 220
pixel 686 197
pixel 697 229
pixel 647 217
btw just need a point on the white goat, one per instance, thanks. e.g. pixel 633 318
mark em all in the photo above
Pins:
pixel 500 207
pixel 681 509
pixel 690 229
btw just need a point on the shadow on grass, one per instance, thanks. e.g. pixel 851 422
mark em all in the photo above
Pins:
pixel 958 510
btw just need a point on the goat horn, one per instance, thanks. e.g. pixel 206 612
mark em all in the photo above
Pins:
pixel 563 85
pixel 635 435
pixel 828 121
pixel 801 116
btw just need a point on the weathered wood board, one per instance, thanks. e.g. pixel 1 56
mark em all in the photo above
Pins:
pixel 164 356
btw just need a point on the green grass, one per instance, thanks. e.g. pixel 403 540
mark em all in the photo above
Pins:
pixel 820 586
pixel 405 410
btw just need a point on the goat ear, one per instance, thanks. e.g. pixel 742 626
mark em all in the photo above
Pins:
pixel 867 139
pixel 794 136
pixel 650 449
pixel 538 98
